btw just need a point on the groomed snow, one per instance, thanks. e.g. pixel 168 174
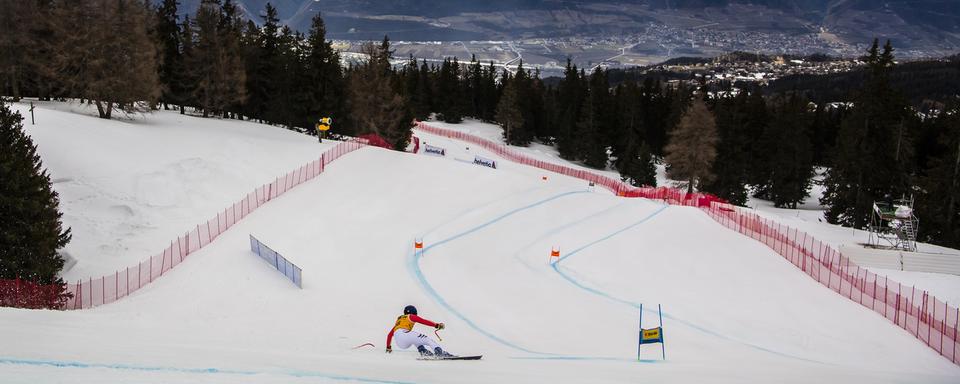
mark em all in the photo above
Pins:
pixel 808 216
pixel 130 185
pixel 733 310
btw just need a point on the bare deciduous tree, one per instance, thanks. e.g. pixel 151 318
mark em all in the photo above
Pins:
pixel 693 146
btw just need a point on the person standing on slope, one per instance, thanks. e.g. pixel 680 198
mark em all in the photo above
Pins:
pixel 406 336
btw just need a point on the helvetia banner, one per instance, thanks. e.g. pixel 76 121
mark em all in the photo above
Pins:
pixel 431 150
pixel 479 160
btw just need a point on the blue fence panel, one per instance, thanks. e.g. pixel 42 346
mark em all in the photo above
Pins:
pixel 288 269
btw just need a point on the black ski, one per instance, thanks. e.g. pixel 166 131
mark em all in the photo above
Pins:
pixel 477 357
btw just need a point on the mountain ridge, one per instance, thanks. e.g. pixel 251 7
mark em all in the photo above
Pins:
pixel 920 24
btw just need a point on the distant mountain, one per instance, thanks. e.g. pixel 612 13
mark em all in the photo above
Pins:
pixel 914 24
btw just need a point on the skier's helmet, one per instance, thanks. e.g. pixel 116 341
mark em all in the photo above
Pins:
pixel 410 310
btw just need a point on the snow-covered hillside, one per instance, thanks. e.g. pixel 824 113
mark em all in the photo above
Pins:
pixel 734 311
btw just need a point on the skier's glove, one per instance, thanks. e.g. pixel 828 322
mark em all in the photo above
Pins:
pixel 389 350
pixel 439 326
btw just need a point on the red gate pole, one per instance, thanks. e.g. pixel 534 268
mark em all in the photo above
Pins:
pixel 128 282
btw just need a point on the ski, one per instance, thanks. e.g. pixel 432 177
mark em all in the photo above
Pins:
pixel 477 357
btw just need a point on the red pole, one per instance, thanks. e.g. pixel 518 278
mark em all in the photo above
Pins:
pixel 804 267
pixel 830 271
pixel 886 294
pixel 128 282
pixel 931 319
pixel 896 316
pixel 956 324
pixel 916 332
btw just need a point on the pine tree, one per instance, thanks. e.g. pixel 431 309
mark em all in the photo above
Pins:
pixel 107 55
pixel 186 75
pixel 938 203
pixel 595 120
pixel 733 152
pixel 375 105
pixel 168 38
pixel 413 81
pixel 230 29
pixel 508 114
pixel 31 231
pixel 326 89
pixel 629 128
pixel 474 83
pixel 283 107
pixel 571 94
pixel 215 61
pixel 491 93
pixel 637 165
pixel 535 118
pixel 449 104
pixel 791 153
pixel 872 157
pixel 693 146
pixel 593 152
pixel 14 39
pixel 263 66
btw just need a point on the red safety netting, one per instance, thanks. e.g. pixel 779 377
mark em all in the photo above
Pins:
pixel 932 321
pixel 107 289
pixel 25 294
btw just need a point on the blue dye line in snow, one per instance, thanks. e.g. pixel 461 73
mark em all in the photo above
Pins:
pixel 562 227
pixel 572 280
pixel 617 232
pixel 487 204
pixel 498 218
pixel 414 266
pixel 128 367
pixel 585 358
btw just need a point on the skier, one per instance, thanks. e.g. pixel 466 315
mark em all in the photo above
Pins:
pixel 406 336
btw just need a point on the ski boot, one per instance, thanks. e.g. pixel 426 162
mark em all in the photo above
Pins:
pixel 441 353
pixel 424 351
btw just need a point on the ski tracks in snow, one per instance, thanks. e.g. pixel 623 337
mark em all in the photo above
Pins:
pixel 417 272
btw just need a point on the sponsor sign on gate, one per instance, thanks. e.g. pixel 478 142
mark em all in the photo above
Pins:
pixel 431 150
pixel 484 162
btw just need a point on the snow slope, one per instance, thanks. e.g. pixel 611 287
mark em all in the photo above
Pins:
pixel 808 217
pixel 733 310
pixel 130 185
